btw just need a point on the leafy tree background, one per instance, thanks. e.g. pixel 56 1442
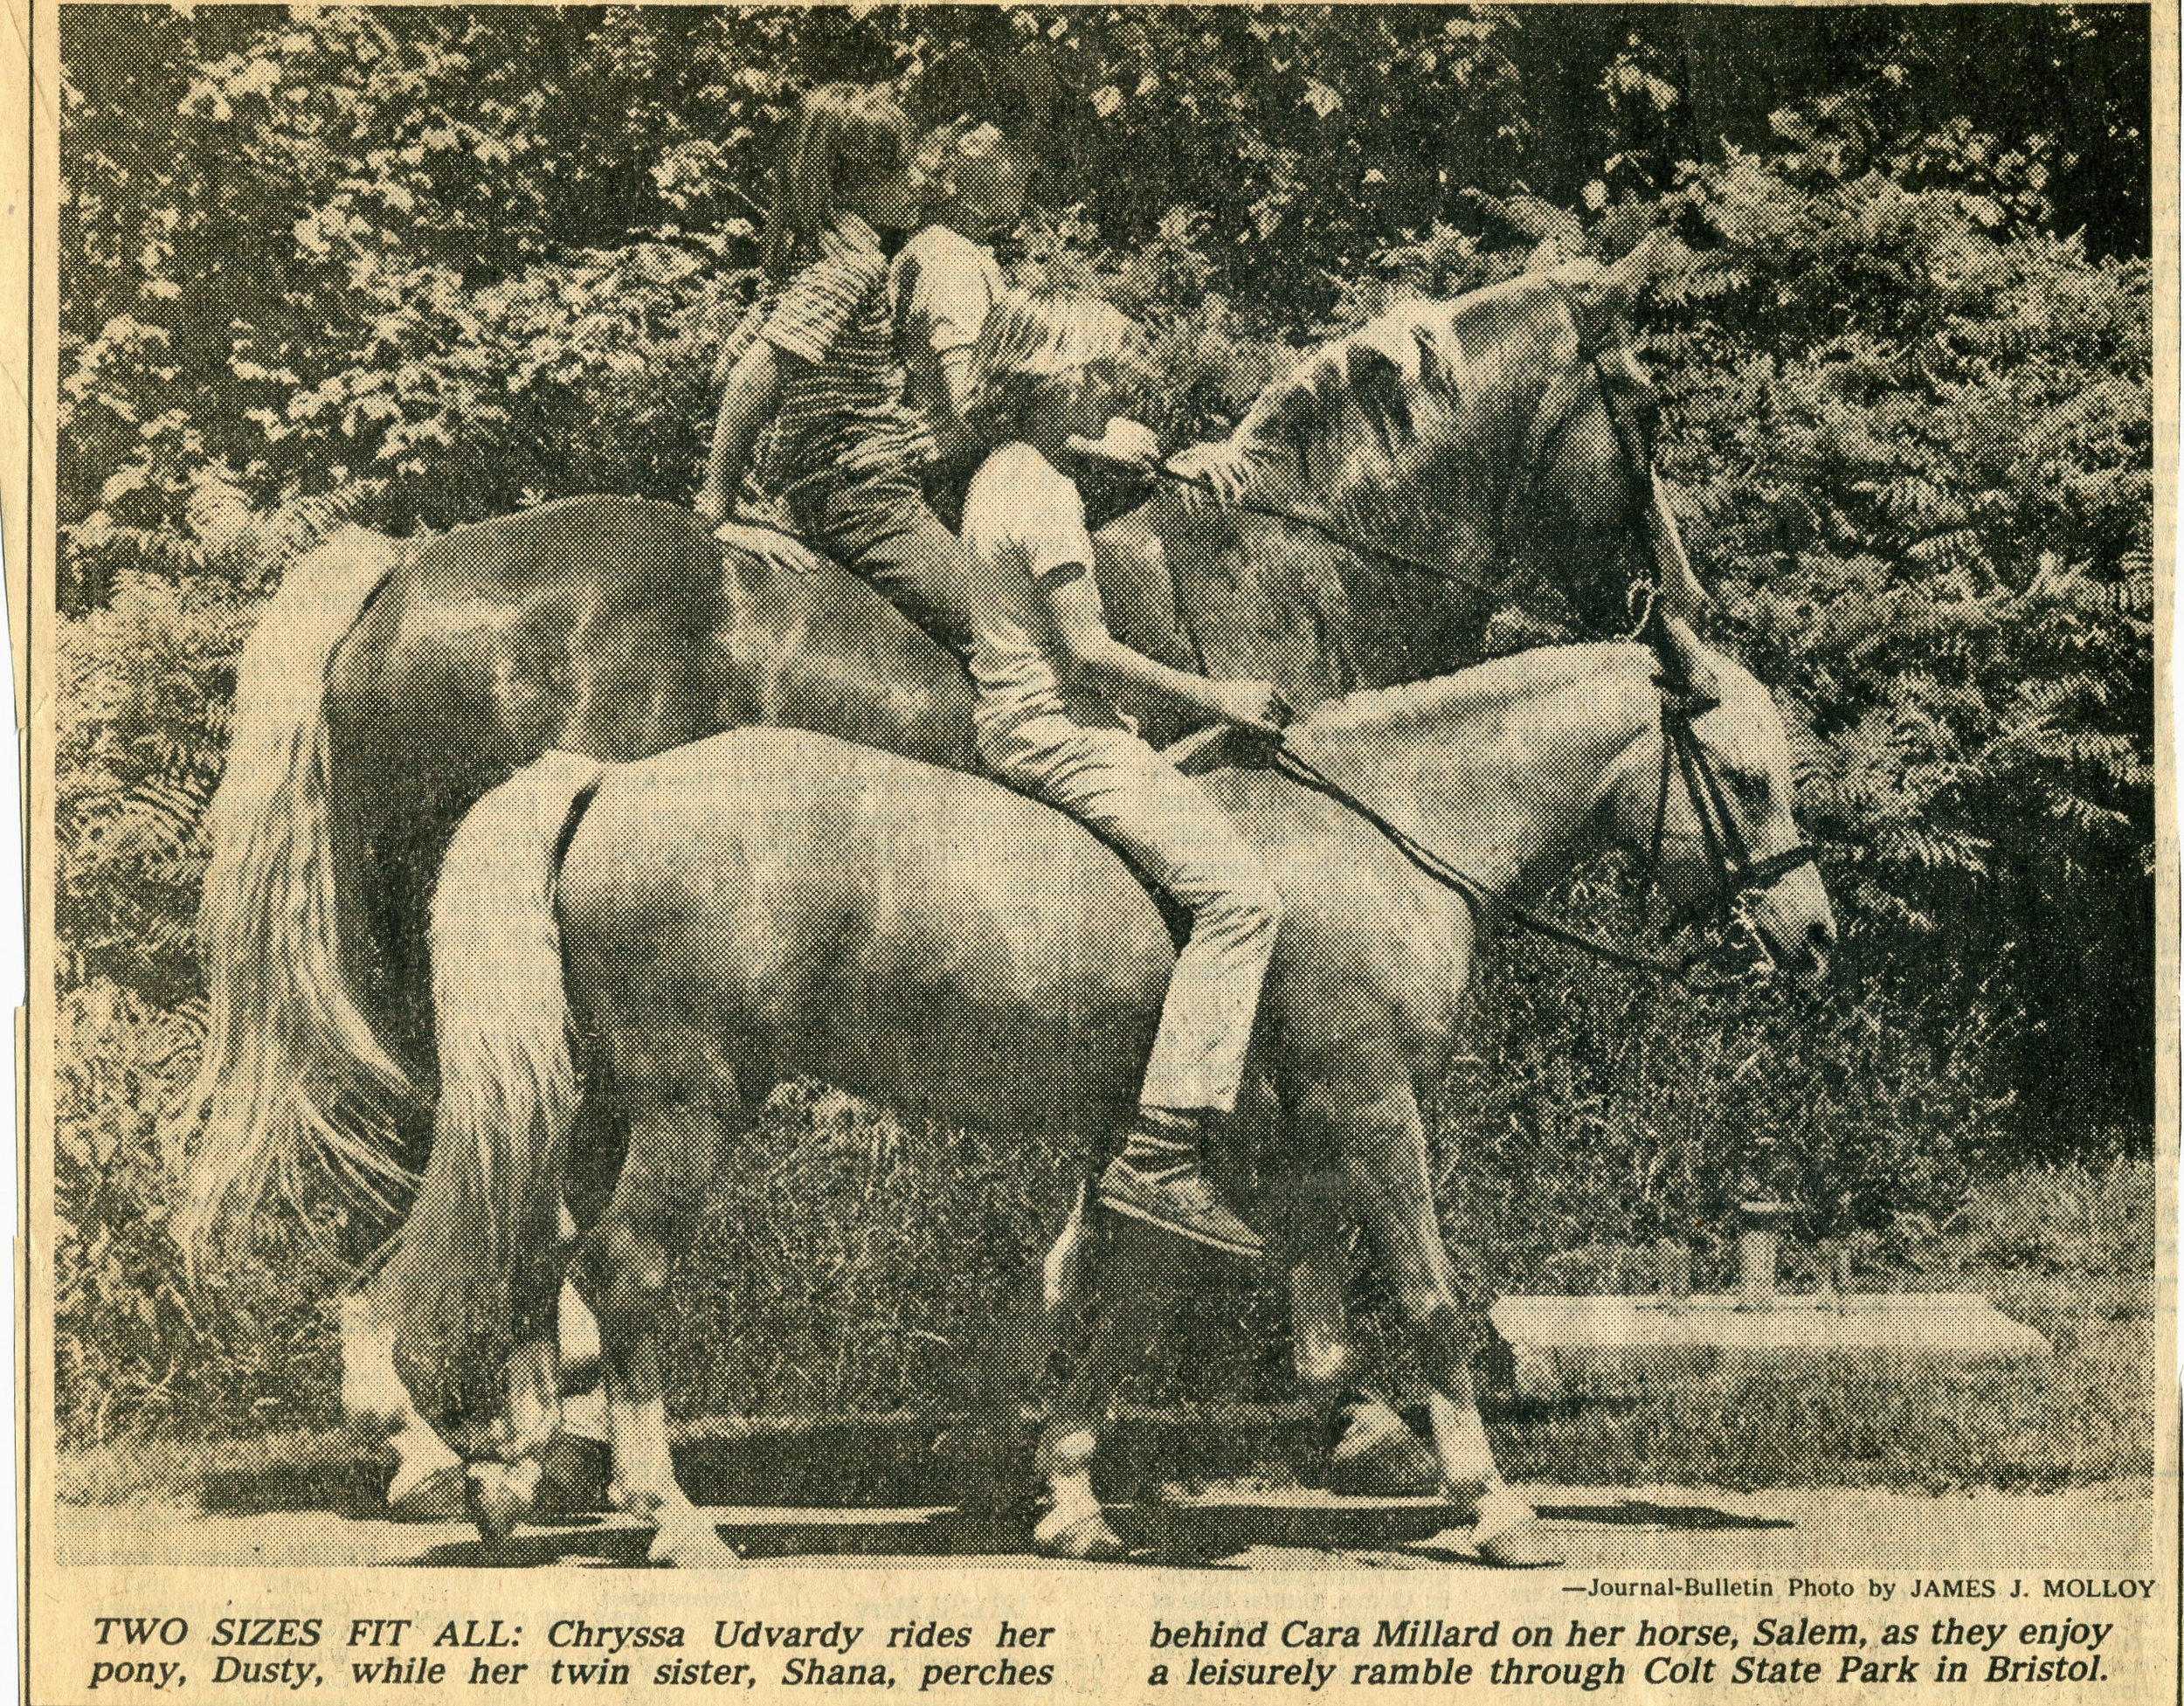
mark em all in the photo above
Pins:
pixel 420 265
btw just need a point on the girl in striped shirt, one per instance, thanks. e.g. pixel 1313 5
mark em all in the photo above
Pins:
pixel 813 402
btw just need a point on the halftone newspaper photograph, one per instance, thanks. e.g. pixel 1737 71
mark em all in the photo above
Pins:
pixel 1095 853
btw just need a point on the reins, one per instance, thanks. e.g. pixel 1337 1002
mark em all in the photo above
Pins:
pixel 1326 530
pixel 1301 770
pixel 1735 871
pixel 1630 436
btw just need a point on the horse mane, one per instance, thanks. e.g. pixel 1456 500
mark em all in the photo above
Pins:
pixel 1352 415
pixel 1500 682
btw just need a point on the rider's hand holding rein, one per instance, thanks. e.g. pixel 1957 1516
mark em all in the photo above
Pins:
pixel 1258 706
pixel 1209 474
pixel 1127 443
pixel 1212 473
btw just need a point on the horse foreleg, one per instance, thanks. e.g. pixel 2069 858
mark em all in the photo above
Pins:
pixel 627 1262
pixel 1388 1162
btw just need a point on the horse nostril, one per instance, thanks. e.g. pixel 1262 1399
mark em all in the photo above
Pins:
pixel 1821 936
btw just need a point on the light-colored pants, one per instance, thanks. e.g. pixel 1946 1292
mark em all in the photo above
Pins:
pixel 1136 801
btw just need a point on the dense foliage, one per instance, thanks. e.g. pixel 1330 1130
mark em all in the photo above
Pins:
pixel 419 265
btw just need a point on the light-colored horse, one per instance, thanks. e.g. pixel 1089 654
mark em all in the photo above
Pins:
pixel 766 904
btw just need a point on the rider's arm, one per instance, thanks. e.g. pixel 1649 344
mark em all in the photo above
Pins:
pixel 747 402
pixel 1072 598
pixel 799 330
pixel 945 285
pixel 953 436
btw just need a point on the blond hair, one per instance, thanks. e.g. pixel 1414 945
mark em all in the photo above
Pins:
pixel 843 135
pixel 1032 342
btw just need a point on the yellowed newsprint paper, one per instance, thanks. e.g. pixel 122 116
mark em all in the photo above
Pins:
pixel 1059 852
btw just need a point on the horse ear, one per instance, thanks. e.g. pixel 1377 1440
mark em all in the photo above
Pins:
pixel 1617 286
pixel 1689 664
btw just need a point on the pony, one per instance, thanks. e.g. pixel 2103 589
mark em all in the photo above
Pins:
pixel 771 903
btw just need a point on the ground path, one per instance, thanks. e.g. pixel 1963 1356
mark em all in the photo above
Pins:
pixel 1609 1531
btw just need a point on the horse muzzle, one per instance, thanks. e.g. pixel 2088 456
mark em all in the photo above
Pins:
pixel 1796 926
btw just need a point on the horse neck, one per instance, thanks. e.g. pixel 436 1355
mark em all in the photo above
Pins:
pixel 1446 496
pixel 1505 769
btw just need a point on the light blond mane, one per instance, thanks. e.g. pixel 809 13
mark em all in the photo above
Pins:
pixel 1358 418
pixel 1485 689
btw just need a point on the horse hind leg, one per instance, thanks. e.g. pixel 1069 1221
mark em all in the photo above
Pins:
pixel 501 1491
pixel 1373 1452
pixel 1140 1284
pixel 427 1485
pixel 1022 1345
pixel 675 1145
pixel 1074 1524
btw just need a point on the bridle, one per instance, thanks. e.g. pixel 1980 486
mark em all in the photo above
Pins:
pixel 1735 872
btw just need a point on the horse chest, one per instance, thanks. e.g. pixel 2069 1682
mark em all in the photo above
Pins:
pixel 1368 961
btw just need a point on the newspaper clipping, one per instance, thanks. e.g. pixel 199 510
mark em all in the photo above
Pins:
pixel 1074 852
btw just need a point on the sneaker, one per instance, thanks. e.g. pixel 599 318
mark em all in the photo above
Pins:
pixel 1180 1202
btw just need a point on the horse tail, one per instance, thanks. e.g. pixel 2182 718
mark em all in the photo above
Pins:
pixel 293 1076
pixel 490 1199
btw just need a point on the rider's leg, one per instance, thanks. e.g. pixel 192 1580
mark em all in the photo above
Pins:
pixel 1183 842
pixel 884 532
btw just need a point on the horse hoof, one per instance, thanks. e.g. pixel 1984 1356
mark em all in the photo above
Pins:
pixel 438 1495
pixel 1087 1539
pixel 695 1545
pixel 575 1472
pixel 1508 1533
pixel 499 1495
pixel 1379 1456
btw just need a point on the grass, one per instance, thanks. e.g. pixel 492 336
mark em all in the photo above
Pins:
pixel 2068 1251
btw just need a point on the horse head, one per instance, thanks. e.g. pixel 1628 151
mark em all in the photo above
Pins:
pixel 1502 437
pixel 1713 810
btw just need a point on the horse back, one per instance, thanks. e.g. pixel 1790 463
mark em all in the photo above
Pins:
pixel 568 626
pixel 771 903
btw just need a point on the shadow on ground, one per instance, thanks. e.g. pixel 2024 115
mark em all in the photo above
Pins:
pixel 1213 1533
pixel 886 1461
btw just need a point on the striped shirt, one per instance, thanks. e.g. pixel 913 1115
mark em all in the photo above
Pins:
pixel 842 408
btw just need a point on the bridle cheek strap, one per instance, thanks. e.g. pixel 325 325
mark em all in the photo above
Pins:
pixel 1736 872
